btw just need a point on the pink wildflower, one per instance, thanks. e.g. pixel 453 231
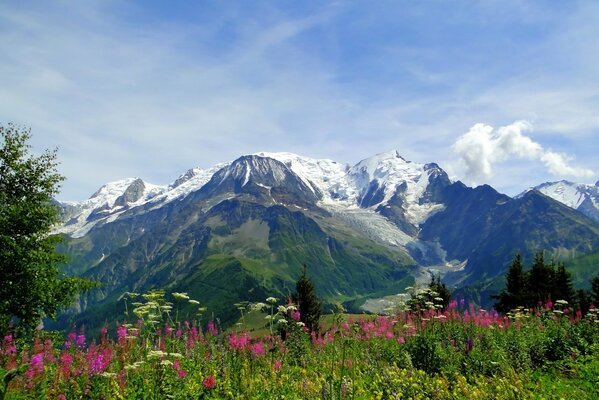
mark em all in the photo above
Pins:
pixel 66 360
pixel 99 361
pixel 36 365
pixel 257 349
pixel 212 329
pixel 239 342
pixel 209 382
pixel 295 315
pixel 80 341
pixel 121 333
pixel 177 367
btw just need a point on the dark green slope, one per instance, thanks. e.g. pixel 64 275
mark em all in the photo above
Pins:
pixel 470 215
pixel 583 269
pixel 237 250
pixel 533 222
pixel 487 228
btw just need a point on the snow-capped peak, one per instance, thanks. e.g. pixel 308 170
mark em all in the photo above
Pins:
pixel 324 175
pixel 382 166
pixel 110 200
pixel 569 193
pixel 387 175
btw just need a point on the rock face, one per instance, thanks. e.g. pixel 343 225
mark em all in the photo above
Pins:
pixel 243 230
pixel 133 193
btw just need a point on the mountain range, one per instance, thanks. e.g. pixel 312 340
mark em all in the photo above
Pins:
pixel 242 230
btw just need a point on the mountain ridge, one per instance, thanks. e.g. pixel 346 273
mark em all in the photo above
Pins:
pixel 366 230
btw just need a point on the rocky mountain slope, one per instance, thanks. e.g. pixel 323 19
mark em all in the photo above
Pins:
pixel 242 230
pixel 579 196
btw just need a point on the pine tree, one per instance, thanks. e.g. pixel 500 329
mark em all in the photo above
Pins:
pixel 583 300
pixel 514 294
pixel 562 285
pixel 595 291
pixel 540 281
pixel 308 304
pixel 441 289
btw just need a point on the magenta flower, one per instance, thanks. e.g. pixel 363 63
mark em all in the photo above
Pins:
pixel 177 367
pixel 257 349
pixel 212 329
pixel 36 365
pixel 121 333
pixel 66 360
pixel 239 342
pixel 209 382
pixel 80 341
pixel 99 361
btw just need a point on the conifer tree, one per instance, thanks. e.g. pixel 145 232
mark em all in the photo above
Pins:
pixel 583 300
pixel 540 281
pixel 308 304
pixel 514 294
pixel 441 289
pixel 562 285
pixel 595 291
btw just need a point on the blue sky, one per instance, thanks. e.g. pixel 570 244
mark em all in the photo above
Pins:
pixel 498 92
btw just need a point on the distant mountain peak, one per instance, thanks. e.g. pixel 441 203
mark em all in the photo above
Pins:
pixel 579 196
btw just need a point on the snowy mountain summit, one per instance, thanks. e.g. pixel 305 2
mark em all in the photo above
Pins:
pixel 385 183
pixel 579 196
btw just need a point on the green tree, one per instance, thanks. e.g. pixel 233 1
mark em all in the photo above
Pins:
pixel 440 289
pixel 32 287
pixel 541 279
pixel 514 294
pixel 562 285
pixel 309 306
pixel 595 291
pixel 583 300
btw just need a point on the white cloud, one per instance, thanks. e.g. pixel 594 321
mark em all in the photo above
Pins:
pixel 482 147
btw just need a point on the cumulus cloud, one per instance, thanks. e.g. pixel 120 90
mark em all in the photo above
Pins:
pixel 483 146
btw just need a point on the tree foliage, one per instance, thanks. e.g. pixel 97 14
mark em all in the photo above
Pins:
pixel 31 286
pixel 514 294
pixel 440 289
pixel 595 290
pixel 543 282
pixel 308 304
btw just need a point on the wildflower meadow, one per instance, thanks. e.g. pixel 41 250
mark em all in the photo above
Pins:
pixel 453 352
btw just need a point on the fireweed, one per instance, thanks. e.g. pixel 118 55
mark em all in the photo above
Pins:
pixel 454 353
